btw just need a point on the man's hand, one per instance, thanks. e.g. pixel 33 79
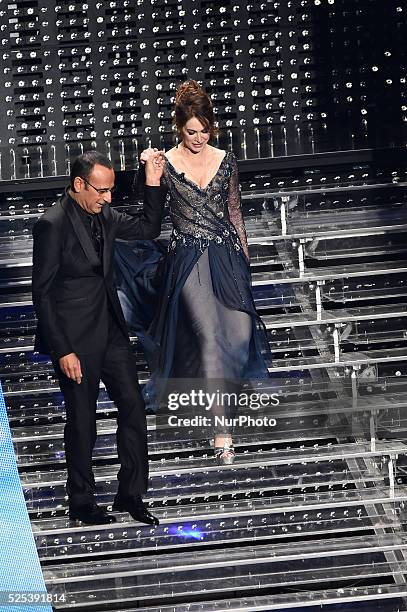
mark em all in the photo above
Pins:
pixel 71 367
pixel 154 162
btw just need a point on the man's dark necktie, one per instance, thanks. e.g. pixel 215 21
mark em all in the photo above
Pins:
pixel 96 232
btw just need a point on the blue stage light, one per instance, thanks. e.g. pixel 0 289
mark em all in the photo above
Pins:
pixel 186 532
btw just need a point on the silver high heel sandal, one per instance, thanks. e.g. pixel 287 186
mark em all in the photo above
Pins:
pixel 225 454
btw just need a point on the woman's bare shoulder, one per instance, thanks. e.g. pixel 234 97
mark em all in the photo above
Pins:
pixel 172 154
pixel 219 153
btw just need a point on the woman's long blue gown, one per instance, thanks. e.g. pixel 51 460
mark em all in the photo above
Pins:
pixel 196 319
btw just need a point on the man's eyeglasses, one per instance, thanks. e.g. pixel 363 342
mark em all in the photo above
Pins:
pixel 100 191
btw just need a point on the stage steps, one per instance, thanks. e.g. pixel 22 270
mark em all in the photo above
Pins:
pixel 312 514
pixel 257 569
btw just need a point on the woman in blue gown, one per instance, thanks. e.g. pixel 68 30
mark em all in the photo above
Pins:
pixel 205 324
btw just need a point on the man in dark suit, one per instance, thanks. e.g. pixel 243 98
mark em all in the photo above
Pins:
pixel 81 326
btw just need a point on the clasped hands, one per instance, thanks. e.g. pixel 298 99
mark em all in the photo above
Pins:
pixel 154 162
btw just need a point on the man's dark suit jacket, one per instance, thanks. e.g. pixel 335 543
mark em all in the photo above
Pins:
pixel 70 291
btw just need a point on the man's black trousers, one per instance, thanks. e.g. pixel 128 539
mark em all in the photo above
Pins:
pixel 116 367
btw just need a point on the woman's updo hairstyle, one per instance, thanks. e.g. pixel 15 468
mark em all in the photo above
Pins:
pixel 192 101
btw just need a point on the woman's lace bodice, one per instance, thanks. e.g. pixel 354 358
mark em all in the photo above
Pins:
pixel 213 213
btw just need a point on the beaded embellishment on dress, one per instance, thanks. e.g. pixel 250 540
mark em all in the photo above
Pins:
pixel 214 213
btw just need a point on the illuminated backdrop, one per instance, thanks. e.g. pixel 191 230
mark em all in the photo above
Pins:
pixel 107 71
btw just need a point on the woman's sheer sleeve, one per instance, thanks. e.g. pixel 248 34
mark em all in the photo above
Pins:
pixel 235 207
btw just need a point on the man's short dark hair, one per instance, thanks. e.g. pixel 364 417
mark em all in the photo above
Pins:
pixel 84 164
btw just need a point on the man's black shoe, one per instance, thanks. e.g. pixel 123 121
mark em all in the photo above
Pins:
pixel 91 514
pixel 136 508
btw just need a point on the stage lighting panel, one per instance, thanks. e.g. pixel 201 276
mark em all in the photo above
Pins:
pixel 263 72
pixel 263 19
pixel 171 67
pixel 124 100
pixel 121 20
pixel 218 68
pixel 167 19
pixel 221 16
pixel 265 64
pixel 28 87
pixel 347 88
pixel 72 21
